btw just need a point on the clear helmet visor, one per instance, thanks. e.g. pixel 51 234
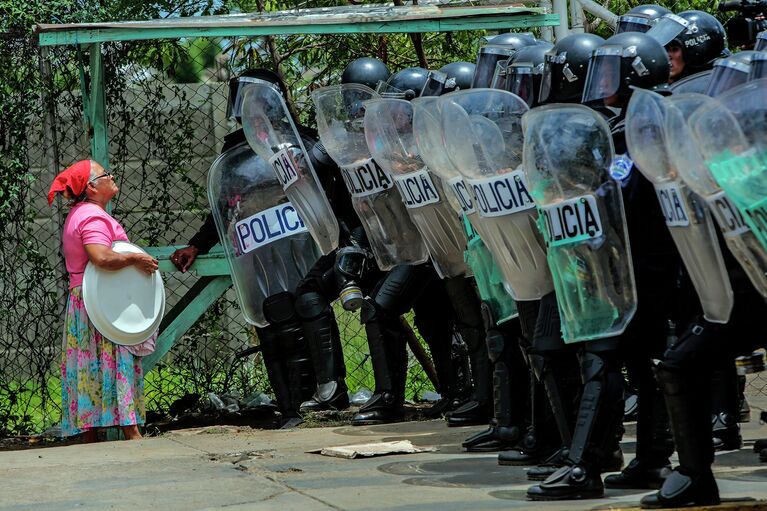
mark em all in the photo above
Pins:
pixel 487 60
pixel 520 81
pixel 668 28
pixel 633 23
pixel 546 80
pixel 726 75
pixel 758 67
pixel 436 84
pixel 761 41
pixel 500 77
pixel 604 76
pixel 236 94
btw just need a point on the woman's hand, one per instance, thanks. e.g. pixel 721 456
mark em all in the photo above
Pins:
pixel 106 258
pixel 145 263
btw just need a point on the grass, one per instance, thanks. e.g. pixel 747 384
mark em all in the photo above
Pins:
pixel 30 407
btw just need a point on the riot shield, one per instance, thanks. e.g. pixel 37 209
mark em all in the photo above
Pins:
pixel 731 133
pixel 568 150
pixel 686 158
pixel 685 212
pixel 483 139
pixel 427 130
pixel 393 238
pixel 271 133
pixel 389 134
pixel 267 246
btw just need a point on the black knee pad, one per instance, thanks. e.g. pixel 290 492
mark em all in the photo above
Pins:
pixel 280 308
pixel 695 347
pixel 311 305
pixel 548 326
pixel 528 316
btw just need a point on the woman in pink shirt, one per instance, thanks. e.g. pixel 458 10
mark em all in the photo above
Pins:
pixel 102 382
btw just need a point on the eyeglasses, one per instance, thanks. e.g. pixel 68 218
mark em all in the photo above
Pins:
pixel 105 174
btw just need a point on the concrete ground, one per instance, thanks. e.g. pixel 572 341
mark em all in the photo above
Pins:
pixel 239 468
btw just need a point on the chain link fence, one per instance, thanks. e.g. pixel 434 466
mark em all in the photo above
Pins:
pixel 166 106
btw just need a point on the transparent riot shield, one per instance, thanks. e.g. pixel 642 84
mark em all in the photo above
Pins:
pixel 483 139
pixel 685 212
pixel 568 151
pixel 493 289
pixel 267 246
pixel 271 133
pixel 731 133
pixel 427 130
pixel 687 159
pixel 341 122
pixel 389 134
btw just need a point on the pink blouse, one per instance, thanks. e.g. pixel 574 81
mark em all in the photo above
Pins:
pixel 87 224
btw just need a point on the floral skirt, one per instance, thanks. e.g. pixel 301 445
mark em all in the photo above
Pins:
pixel 102 383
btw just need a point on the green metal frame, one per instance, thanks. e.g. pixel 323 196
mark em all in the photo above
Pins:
pixel 213 268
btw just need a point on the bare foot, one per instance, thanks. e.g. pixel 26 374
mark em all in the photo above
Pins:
pixel 131 432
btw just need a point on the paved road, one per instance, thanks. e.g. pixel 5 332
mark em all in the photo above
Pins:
pixel 238 468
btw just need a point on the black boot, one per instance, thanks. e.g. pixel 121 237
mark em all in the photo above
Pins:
pixel 687 398
pixel 437 332
pixel 654 446
pixel 599 418
pixel 541 440
pixel 511 390
pixel 321 332
pixel 286 356
pixel 725 405
pixel 388 353
pixel 469 322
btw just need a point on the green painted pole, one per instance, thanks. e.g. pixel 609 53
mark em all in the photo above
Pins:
pixel 184 321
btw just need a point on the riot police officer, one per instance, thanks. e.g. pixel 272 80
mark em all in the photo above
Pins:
pixel 419 287
pixel 283 345
pixel 693 50
pixel 624 60
pixel 554 364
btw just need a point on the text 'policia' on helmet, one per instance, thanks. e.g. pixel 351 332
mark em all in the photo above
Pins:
pixel 366 71
pixel 730 72
pixel 522 73
pixel 565 67
pixel 640 19
pixel 700 36
pixel 404 84
pixel 237 86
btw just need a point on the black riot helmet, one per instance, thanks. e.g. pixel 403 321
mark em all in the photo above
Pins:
pixel 499 48
pixel 462 72
pixel 730 72
pixel 699 35
pixel 630 59
pixel 761 41
pixel 697 83
pixel 365 71
pixel 513 40
pixel 405 84
pixel 640 19
pixel 524 72
pixel 758 66
pixel 238 83
pixel 565 67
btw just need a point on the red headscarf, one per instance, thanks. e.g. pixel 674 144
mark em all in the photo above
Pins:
pixel 74 179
